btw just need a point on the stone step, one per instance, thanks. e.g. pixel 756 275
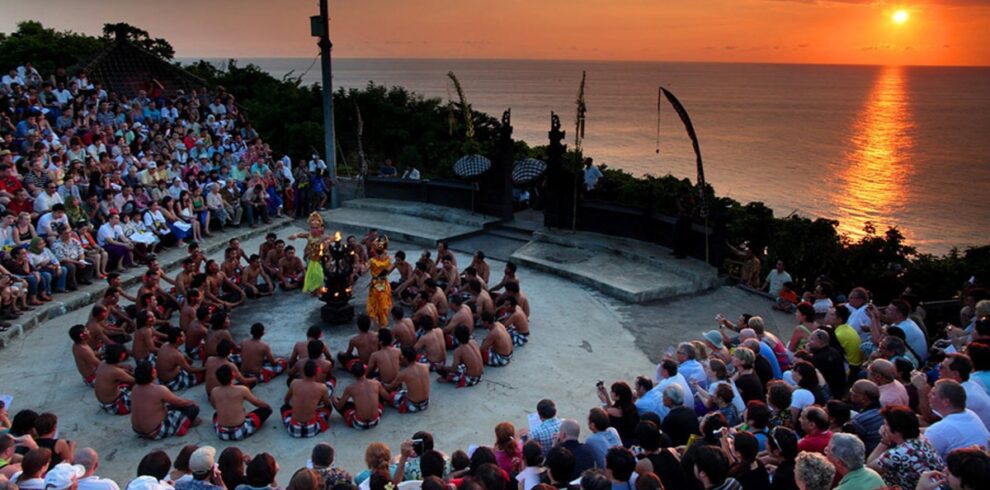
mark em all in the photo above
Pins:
pixel 510 233
pixel 422 210
pixel 405 228
pixel 615 275
pixel 170 261
pixel 701 274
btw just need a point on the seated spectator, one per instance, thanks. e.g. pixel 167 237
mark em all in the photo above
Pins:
pixel 812 471
pixel 847 454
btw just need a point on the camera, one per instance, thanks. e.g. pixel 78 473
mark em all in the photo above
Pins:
pixel 600 384
pixel 417 445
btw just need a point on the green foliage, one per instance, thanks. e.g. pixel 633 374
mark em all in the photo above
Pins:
pixel 47 49
pixel 140 37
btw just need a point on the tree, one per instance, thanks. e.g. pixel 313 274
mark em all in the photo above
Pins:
pixel 47 49
pixel 136 35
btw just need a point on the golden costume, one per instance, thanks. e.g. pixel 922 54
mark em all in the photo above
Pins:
pixel 380 291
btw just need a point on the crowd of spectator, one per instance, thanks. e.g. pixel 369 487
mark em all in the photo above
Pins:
pixel 859 397
pixel 92 181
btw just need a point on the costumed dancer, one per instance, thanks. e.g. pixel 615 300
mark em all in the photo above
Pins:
pixel 315 241
pixel 380 291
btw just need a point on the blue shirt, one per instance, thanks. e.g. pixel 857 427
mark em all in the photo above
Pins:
pixel 545 433
pixel 768 353
pixel 601 442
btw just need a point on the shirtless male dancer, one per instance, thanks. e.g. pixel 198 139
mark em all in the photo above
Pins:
pixel 175 370
pixel 113 382
pixel 463 315
pixel 146 338
pixel 196 334
pixel 360 403
pixel 220 331
pixel 299 350
pixel 156 412
pixel 257 359
pixel 187 312
pixel 315 351
pixel 431 343
pixel 250 276
pixel 86 359
pixel 410 391
pixel 467 366
pixel 306 411
pixel 365 342
pixel 517 323
pixel 403 267
pixel 496 350
pixel 222 359
pixel 384 362
pixel 402 327
pixel 230 422
pixel 290 270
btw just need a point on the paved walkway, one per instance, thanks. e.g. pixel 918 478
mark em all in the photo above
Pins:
pixel 579 336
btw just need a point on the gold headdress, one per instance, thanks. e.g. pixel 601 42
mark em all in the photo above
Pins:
pixel 315 220
pixel 381 243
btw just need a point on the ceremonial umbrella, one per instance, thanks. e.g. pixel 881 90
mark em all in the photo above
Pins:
pixel 527 170
pixel 472 166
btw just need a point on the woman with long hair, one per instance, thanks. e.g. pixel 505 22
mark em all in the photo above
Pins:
pixel 619 403
pixel 508 449
pixel 231 464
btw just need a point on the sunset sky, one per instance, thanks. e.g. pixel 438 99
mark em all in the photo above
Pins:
pixel 936 32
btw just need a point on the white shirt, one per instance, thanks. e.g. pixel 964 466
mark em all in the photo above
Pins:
pixel 96 483
pixel 108 232
pixel 591 176
pixel 915 338
pixel 777 280
pixel 44 202
pixel 858 320
pixel 529 477
pixel 978 400
pixel 46 221
pixel 958 430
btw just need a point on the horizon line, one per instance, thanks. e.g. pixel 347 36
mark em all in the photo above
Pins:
pixel 572 60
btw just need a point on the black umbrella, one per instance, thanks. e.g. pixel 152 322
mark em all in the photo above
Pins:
pixel 471 166
pixel 527 170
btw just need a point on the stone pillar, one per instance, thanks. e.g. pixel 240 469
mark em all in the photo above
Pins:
pixel 559 185
pixel 495 189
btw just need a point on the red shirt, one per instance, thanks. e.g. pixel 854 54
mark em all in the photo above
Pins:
pixel 815 443
pixel 26 206
pixel 10 184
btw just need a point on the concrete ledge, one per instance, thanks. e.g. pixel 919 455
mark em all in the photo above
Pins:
pixel 170 260
pixel 616 276
pixel 423 210
pixel 702 274
pixel 397 225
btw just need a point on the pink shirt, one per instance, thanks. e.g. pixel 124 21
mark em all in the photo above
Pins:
pixel 894 394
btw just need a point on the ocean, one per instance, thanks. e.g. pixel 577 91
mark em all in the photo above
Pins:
pixel 891 145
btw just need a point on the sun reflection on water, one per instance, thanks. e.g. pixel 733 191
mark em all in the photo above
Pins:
pixel 874 175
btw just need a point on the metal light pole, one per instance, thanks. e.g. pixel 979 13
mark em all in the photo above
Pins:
pixel 320 27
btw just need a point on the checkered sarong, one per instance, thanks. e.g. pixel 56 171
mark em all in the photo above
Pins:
pixel 400 400
pixel 269 370
pixel 461 379
pixel 175 424
pixel 184 380
pixel 319 423
pixel 121 405
pixel 519 339
pixel 495 359
pixel 198 353
pixel 237 432
pixel 352 420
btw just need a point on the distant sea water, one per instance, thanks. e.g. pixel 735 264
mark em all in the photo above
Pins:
pixel 895 146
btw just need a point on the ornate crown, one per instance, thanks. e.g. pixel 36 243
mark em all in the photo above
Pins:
pixel 315 220
pixel 381 243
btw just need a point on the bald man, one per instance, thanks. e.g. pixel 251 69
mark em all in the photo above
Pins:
pixel 865 396
pixel 884 374
pixel 584 455
pixel 90 461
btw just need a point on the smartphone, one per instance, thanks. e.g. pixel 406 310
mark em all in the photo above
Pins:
pixel 600 384
pixel 417 445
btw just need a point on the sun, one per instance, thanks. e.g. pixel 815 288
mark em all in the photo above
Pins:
pixel 900 16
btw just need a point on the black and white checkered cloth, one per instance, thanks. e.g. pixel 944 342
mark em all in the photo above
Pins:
pixel 527 170
pixel 471 166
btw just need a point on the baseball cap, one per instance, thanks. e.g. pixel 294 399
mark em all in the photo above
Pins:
pixel 202 459
pixel 63 475
pixel 152 165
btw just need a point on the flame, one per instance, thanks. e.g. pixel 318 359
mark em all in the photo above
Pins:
pixel 337 236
